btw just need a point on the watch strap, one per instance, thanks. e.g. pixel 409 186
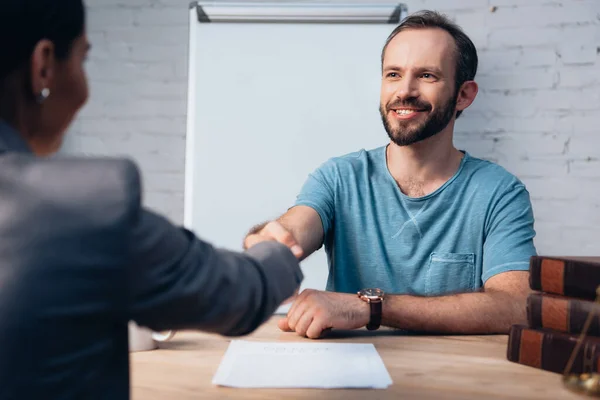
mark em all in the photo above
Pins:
pixel 376 311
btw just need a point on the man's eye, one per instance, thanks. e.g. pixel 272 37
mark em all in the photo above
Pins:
pixel 392 75
pixel 428 76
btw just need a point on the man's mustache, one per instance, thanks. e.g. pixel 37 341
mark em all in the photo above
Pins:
pixel 410 103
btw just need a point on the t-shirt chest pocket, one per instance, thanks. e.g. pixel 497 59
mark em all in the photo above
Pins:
pixel 450 273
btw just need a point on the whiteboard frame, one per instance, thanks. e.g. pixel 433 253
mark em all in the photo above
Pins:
pixel 190 137
pixel 271 12
pixel 278 12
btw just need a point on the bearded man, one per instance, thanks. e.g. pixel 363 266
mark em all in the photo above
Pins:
pixel 419 235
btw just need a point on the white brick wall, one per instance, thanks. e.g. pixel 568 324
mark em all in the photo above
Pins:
pixel 138 80
pixel 537 112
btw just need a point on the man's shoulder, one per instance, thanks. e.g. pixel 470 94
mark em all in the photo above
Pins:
pixel 355 160
pixel 485 172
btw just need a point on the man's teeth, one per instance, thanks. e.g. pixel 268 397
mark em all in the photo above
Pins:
pixel 404 112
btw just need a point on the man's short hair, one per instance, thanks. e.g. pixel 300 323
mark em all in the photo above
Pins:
pixel 466 53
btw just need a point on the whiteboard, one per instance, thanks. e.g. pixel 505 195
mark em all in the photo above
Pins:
pixel 274 90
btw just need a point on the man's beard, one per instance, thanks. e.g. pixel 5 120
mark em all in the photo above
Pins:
pixel 404 135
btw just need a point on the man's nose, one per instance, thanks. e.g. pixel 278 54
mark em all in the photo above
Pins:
pixel 407 88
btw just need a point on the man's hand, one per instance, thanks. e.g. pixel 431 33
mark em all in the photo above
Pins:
pixel 274 231
pixel 314 311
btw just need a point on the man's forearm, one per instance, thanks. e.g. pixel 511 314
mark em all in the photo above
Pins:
pixel 300 226
pixel 469 313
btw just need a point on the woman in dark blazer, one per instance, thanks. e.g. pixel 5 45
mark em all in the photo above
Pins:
pixel 79 255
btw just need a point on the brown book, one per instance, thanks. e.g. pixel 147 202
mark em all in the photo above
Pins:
pixel 550 350
pixel 567 276
pixel 564 314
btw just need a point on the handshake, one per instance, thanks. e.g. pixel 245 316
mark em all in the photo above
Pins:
pixel 312 312
pixel 273 231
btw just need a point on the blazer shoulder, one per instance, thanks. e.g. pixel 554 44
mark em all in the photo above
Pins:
pixel 109 188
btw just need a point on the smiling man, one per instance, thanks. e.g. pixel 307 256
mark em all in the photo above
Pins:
pixel 430 237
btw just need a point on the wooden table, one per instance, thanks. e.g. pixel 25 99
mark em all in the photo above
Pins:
pixel 422 367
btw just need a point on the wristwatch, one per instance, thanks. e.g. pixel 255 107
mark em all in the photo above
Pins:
pixel 375 299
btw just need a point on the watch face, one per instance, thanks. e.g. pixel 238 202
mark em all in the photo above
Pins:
pixel 372 293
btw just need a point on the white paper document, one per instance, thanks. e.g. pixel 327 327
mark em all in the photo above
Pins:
pixel 301 365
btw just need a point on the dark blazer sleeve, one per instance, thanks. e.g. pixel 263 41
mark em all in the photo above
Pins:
pixel 178 281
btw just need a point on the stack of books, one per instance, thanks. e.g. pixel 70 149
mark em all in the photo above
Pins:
pixel 556 314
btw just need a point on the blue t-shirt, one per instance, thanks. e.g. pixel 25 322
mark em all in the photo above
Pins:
pixel 478 224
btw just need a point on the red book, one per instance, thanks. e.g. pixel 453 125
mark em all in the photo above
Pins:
pixel 564 314
pixel 550 350
pixel 566 276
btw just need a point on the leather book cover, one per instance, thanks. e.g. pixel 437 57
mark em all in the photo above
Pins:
pixel 564 314
pixel 566 276
pixel 550 350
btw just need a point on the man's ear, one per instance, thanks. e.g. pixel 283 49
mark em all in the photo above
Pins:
pixel 43 64
pixel 466 95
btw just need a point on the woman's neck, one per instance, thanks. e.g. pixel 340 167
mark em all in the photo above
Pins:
pixel 20 113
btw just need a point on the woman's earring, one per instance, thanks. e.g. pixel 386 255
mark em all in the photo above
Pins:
pixel 43 95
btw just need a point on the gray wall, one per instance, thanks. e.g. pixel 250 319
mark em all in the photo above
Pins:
pixel 537 112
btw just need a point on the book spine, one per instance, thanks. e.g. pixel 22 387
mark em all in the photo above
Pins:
pixel 562 314
pixel 564 277
pixel 550 351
